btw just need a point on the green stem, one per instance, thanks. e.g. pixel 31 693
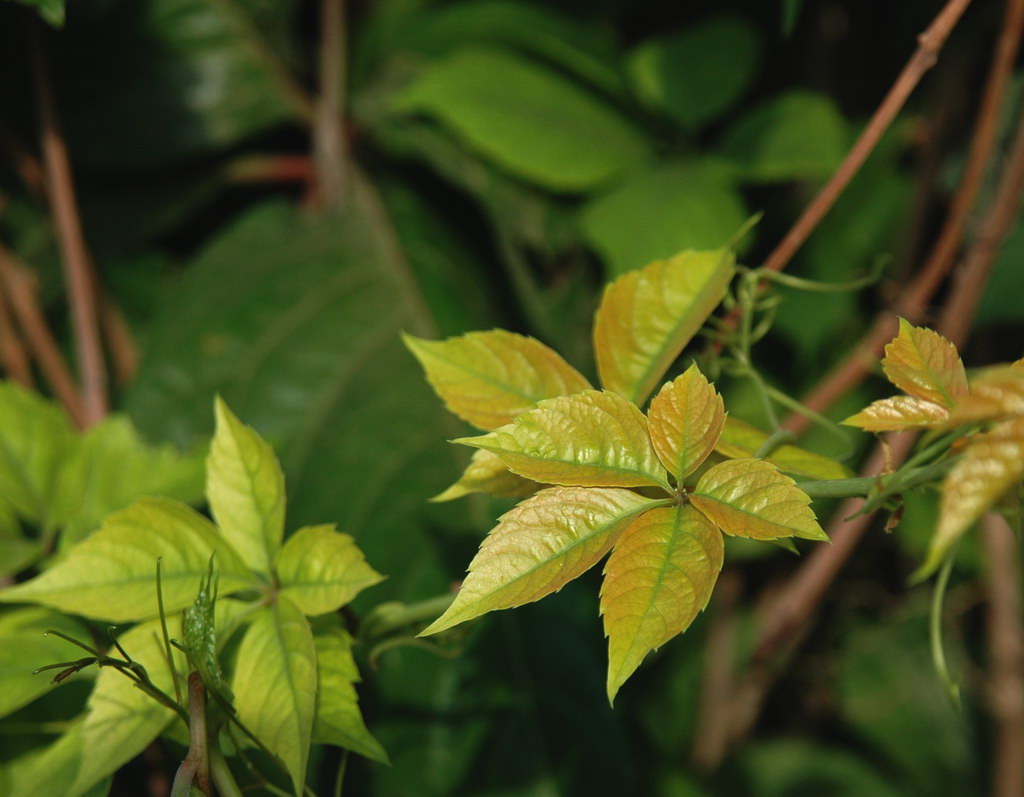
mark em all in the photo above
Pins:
pixel 839 488
pixel 339 781
pixel 935 630
pixel 817 418
pixel 775 439
pixel 222 777
pixel 799 283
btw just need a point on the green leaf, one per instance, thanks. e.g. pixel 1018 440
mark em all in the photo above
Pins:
pixel 321 570
pixel 275 684
pixel 670 207
pixel 245 487
pixel 112 574
pixel 489 378
pixel 24 647
pixel 686 420
pixel 338 720
pixel 796 136
pixel 590 439
pixel 199 626
pixel 35 438
pixel 740 439
pixel 111 467
pixel 924 364
pixel 697 73
pixel 526 118
pixel 751 498
pixel 540 546
pixel 52 11
pixel 647 316
pixel 658 578
pixel 487 473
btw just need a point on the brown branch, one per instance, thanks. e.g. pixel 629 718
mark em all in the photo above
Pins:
pixel 124 352
pixel 78 268
pixel 924 57
pixel 328 136
pixel 914 302
pixel 12 351
pixel 1006 655
pixel 19 286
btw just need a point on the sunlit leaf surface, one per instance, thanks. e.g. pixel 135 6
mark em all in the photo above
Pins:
pixel 922 363
pixel 686 419
pixel 321 570
pixel 899 412
pixel 486 473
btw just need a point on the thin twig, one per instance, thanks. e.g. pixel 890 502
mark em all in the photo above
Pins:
pixel 928 45
pixel 12 350
pixel 78 267
pixel 19 286
pixel 124 351
pixel 328 135
pixel 1006 655
pixel 914 301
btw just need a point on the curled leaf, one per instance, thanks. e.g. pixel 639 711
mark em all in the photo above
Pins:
pixel 751 498
pixel 898 413
pixel 924 364
pixel 488 378
pixel 590 439
pixel 686 420
pixel 486 473
pixel 647 316
pixel 540 546
pixel 657 579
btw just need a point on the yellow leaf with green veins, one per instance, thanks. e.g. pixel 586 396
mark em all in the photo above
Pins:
pixel 647 316
pixel 488 378
pixel 685 420
pixel 751 498
pixel 898 413
pixel 540 546
pixel 740 439
pixel 245 487
pixel 486 473
pixel 590 439
pixel 659 577
pixel 321 570
pixel 992 464
pixel 922 363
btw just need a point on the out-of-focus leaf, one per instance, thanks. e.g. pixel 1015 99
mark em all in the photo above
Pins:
pixel 111 575
pixel 246 490
pixel 797 136
pixel 997 394
pixel 686 420
pixel 922 363
pixel 897 413
pixel 52 11
pixel 991 465
pixel 16 552
pixel 699 72
pixel 110 467
pixel 590 439
pixel 23 648
pixel 296 321
pixel 321 570
pixel 526 118
pixel 998 304
pixel 657 579
pixel 790 15
pixel 540 546
pixel 740 439
pixel 174 78
pixel 487 473
pixel 784 767
pixel 489 378
pixel 751 498
pixel 338 720
pixel 661 211
pixel 647 316
pixel 35 438
pixel 275 683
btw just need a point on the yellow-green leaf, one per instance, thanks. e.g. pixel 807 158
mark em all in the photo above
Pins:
pixel 686 420
pixel 992 464
pixel 751 498
pixel 245 488
pixel 321 570
pixel 647 316
pixel 898 413
pixel 111 575
pixel 486 473
pixel 658 578
pixel 540 546
pixel 488 378
pixel 997 394
pixel 740 439
pixel 590 439
pixel 922 363
pixel 275 684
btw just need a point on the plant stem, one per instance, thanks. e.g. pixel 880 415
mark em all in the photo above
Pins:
pixel 222 777
pixel 328 134
pixel 339 780
pixel 839 488
pixel 935 629
pixel 777 438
